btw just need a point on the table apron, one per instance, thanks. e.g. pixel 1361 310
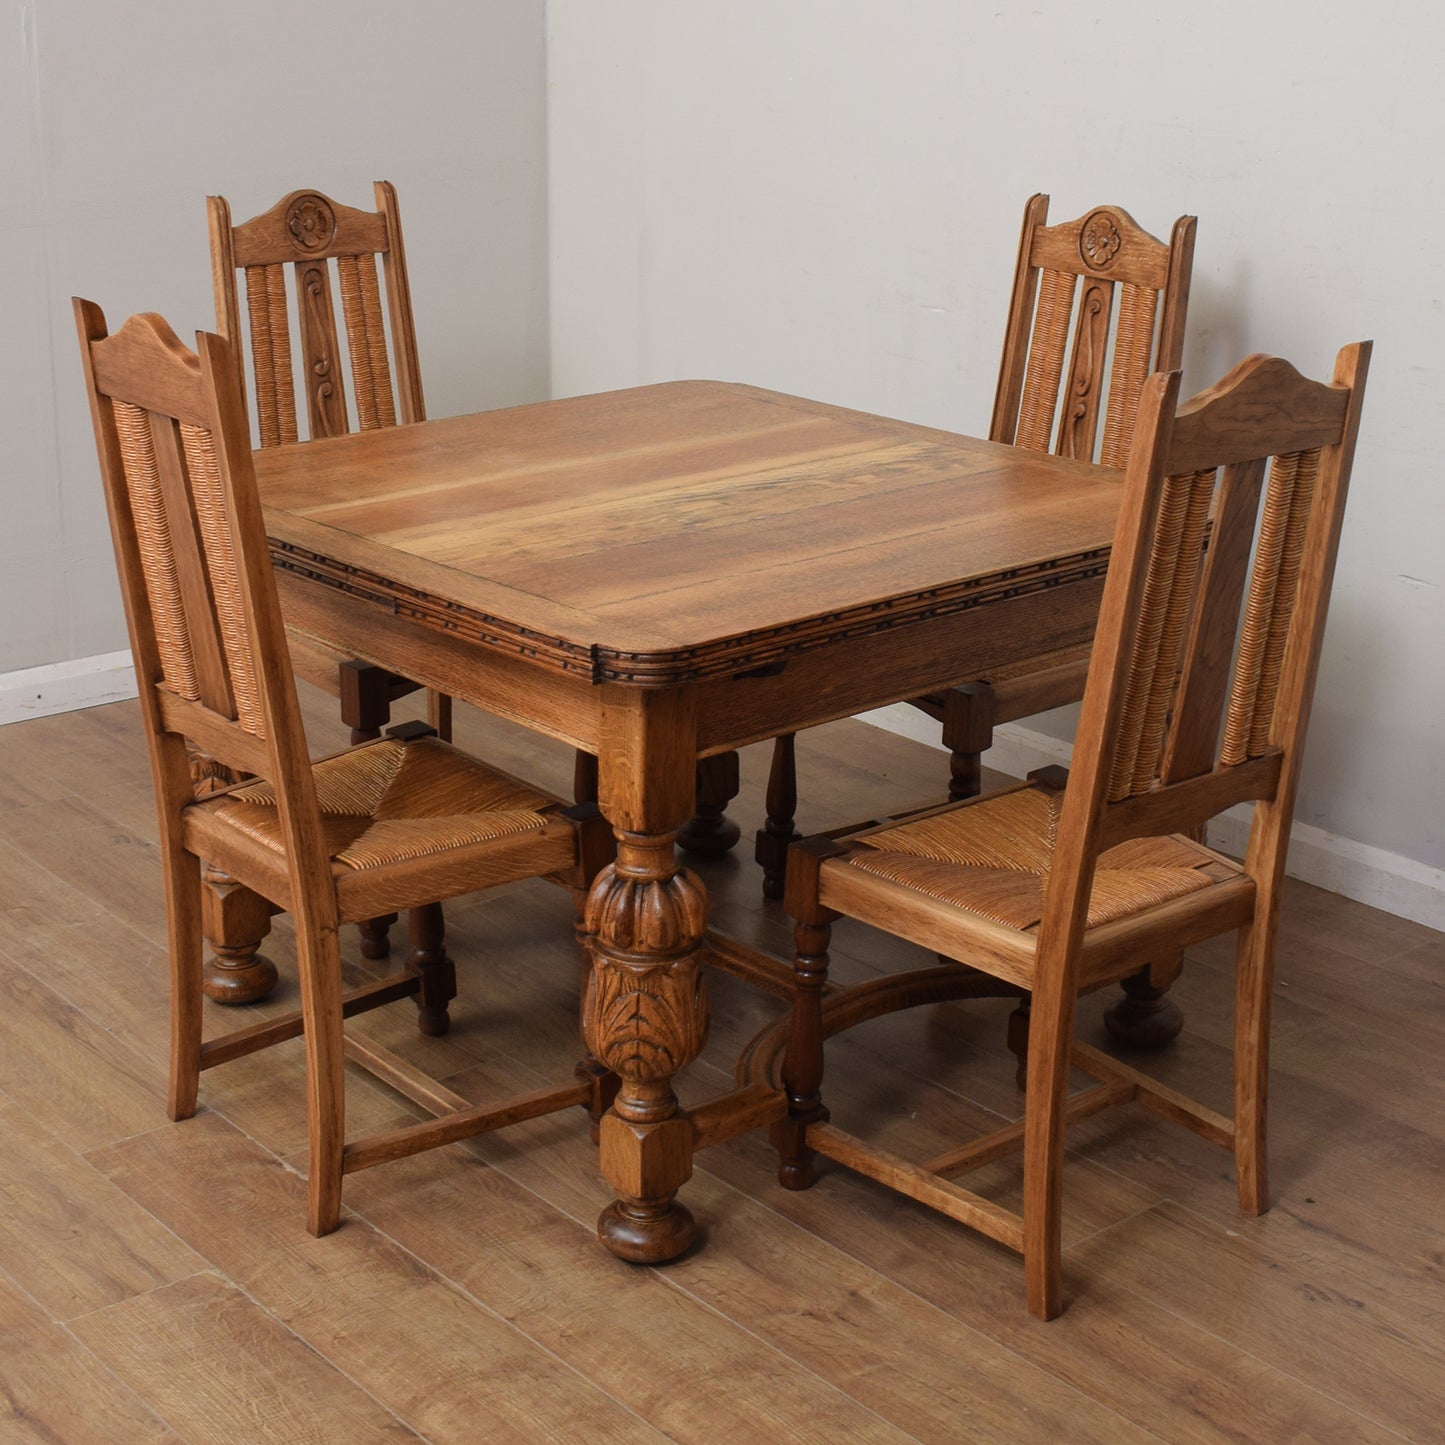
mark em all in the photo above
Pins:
pixel 845 677
pixel 505 684
pixel 855 674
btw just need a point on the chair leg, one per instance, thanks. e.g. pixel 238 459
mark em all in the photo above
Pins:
pixel 1051 1032
pixel 803 1060
pixel 433 966
pixel 778 834
pixel 365 695
pixel 968 717
pixel 318 966
pixel 1254 983
pixel 183 911
pixel 375 940
pixel 596 847
pixel 1018 1040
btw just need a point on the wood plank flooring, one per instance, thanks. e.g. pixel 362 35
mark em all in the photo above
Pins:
pixel 157 1282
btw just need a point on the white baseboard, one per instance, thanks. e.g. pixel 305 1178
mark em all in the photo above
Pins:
pixel 1389 881
pixel 65 686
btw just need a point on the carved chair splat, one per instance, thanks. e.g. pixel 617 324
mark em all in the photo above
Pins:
pixel 1071 357
pixel 1060 885
pixel 396 823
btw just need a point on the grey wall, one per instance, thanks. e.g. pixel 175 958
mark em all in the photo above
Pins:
pixel 823 197
pixel 118 120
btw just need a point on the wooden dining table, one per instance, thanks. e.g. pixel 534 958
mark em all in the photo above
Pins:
pixel 660 575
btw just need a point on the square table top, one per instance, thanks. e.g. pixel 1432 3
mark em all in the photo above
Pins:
pixel 690 527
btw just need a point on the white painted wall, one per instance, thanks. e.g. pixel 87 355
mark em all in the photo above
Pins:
pixel 117 120
pixel 823 196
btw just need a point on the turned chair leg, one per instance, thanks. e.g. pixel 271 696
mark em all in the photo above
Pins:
pixel 433 966
pixel 365 695
pixel 803 1058
pixel 803 1061
pixel 968 720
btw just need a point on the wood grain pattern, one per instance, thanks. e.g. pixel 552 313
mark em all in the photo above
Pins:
pixel 772 1313
pixel 648 540
pixel 197 1326
pixel 940 877
pixel 54 1389
pixel 428 1351
pixel 400 823
pixel 580 536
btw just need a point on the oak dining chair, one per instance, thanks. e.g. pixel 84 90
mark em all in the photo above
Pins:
pixel 1097 303
pixel 399 822
pixel 1198 697
pixel 290 325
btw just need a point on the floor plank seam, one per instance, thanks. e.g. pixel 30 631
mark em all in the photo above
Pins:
pixel 927 1304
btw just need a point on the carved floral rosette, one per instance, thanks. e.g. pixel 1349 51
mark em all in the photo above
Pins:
pixel 310 222
pixel 1100 240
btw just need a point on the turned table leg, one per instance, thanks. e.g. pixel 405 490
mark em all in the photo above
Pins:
pixel 644 1011
pixel 710 831
pixel 234 921
pixel 1146 1017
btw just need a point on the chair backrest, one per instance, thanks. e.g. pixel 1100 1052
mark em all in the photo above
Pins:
pixel 318 237
pixel 195 569
pixel 1209 634
pixel 1062 306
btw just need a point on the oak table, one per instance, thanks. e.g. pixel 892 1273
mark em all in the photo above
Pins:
pixel 660 575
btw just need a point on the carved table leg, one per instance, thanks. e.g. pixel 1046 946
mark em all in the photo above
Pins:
pixel 644 1013
pixel 778 834
pixel 710 830
pixel 235 920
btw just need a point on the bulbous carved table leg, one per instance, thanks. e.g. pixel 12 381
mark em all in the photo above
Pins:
pixel 644 1010
pixel 645 1018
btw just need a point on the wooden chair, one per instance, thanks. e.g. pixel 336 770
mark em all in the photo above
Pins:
pixel 1062 309
pixel 396 823
pixel 1069 881
pixel 331 249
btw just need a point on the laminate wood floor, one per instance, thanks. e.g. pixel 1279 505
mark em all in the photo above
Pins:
pixel 157 1282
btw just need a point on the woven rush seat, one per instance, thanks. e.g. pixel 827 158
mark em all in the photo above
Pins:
pixel 402 822
pixel 1197 700
pixel 993 857
pixel 395 800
